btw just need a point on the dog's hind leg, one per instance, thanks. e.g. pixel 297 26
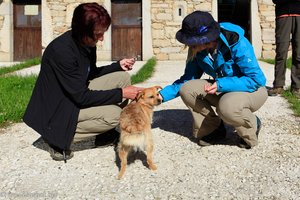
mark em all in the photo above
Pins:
pixel 123 153
pixel 149 150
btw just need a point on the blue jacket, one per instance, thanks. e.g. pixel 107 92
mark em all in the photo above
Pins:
pixel 235 68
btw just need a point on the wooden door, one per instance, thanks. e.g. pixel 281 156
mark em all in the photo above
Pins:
pixel 27 30
pixel 126 29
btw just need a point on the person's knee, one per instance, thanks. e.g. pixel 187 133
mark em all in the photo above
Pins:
pixel 184 90
pixel 125 78
pixel 113 117
pixel 188 89
pixel 227 109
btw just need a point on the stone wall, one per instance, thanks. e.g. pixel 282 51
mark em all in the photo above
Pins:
pixel 266 10
pixel 1 21
pixel 166 22
pixel 61 12
pixel 1 26
pixel 166 17
pixel 57 18
pixel 6 31
pixel 165 25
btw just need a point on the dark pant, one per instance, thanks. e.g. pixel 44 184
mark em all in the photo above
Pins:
pixel 285 27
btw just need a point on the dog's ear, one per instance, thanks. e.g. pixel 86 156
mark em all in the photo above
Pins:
pixel 139 95
pixel 158 87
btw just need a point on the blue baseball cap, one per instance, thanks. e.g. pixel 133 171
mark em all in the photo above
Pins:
pixel 198 28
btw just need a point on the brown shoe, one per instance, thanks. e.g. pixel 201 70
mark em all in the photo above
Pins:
pixel 296 92
pixel 275 91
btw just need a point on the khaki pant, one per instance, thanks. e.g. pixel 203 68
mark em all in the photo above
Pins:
pixel 96 120
pixel 234 108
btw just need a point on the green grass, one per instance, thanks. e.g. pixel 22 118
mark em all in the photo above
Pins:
pixel 14 96
pixel 145 72
pixel 272 61
pixel 26 64
pixel 16 90
pixel 294 102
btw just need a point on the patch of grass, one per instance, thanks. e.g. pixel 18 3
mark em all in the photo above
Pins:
pixel 16 91
pixel 272 61
pixel 23 65
pixel 294 102
pixel 145 72
pixel 268 60
pixel 14 96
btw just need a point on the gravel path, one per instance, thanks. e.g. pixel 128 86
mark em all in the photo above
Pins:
pixel 185 170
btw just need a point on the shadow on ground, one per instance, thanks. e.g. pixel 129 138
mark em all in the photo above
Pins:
pixel 177 121
pixel 78 146
pixel 180 121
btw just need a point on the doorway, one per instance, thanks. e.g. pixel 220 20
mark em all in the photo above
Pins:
pixel 27 29
pixel 237 12
pixel 126 29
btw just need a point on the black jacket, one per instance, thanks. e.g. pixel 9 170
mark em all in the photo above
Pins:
pixel 286 7
pixel 61 90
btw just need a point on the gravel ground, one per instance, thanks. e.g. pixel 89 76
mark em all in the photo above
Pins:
pixel 185 170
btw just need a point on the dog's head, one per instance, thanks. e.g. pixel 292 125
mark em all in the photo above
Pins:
pixel 150 96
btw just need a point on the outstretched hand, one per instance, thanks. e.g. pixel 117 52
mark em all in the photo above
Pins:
pixel 130 92
pixel 127 63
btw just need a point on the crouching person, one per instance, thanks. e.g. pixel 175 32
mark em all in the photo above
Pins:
pixel 72 98
pixel 236 87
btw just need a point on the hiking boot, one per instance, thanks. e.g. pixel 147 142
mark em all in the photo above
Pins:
pixel 58 154
pixel 109 138
pixel 275 91
pixel 296 92
pixel 242 143
pixel 215 137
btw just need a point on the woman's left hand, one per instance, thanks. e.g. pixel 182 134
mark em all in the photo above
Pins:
pixel 127 63
pixel 211 88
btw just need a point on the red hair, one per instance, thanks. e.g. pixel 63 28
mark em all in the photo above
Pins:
pixel 85 17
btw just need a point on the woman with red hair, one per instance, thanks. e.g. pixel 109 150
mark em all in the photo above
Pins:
pixel 73 99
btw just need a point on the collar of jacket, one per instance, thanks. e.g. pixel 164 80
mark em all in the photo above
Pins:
pixel 82 48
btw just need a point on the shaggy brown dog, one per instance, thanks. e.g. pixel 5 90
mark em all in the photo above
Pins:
pixel 135 125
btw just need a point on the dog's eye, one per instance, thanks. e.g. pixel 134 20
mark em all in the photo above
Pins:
pixel 151 97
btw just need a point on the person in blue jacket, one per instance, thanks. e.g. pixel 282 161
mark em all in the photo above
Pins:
pixel 236 83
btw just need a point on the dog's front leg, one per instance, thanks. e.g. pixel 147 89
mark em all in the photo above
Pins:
pixel 149 150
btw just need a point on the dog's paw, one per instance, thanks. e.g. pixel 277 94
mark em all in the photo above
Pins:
pixel 120 176
pixel 153 167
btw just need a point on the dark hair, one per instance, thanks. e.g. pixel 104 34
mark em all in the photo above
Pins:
pixel 85 17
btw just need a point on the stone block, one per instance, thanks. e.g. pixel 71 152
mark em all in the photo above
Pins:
pixel 164 16
pixel 162 56
pixel 268 54
pixel 177 56
pixel 170 49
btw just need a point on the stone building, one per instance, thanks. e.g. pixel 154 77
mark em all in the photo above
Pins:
pixel 142 28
